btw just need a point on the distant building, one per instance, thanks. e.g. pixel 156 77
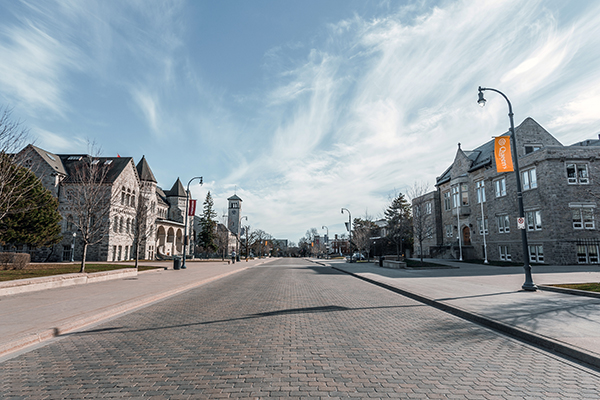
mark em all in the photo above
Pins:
pixel 561 191
pixel 127 182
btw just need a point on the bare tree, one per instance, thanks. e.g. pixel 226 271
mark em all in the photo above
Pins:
pixel 142 225
pixel 14 186
pixel 423 221
pixel 363 232
pixel 89 197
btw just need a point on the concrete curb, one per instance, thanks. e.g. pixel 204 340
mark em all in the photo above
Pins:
pixel 56 281
pixel 575 292
pixel 544 342
pixel 109 312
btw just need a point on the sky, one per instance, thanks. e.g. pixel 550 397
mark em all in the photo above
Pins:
pixel 300 107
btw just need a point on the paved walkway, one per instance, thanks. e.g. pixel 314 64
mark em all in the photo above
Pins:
pixel 30 318
pixel 566 323
pixel 490 295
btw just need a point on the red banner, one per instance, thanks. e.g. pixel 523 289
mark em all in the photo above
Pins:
pixel 192 208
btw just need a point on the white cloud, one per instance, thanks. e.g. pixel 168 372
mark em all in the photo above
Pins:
pixel 386 102
pixel 59 143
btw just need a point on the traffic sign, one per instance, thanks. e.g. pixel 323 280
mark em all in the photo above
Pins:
pixel 521 223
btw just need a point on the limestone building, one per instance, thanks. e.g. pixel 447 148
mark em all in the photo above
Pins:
pixel 134 196
pixel 561 191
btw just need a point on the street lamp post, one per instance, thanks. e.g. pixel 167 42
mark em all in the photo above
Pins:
pixel 73 247
pixel 241 219
pixel 528 285
pixel 349 231
pixel 185 235
pixel 326 241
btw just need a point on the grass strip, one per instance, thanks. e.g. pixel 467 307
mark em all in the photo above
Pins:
pixel 40 270
pixel 589 287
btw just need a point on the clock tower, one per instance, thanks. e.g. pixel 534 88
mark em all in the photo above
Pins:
pixel 234 215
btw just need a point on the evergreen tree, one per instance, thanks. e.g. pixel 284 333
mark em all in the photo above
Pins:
pixel 208 234
pixel 399 222
pixel 40 224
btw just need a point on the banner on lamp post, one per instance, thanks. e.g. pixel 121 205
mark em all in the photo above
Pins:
pixel 503 154
pixel 192 208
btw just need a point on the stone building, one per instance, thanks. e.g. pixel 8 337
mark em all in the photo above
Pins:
pixel 134 195
pixel 473 202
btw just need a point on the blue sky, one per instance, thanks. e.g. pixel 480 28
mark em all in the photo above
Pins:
pixel 302 106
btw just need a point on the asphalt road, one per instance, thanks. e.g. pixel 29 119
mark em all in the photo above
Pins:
pixel 295 330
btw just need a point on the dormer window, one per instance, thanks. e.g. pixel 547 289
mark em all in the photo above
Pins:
pixel 530 148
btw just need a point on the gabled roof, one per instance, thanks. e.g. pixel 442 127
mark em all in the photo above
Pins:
pixel 113 166
pixel 177 190
pixel 235 197
pixel 144 171
pixel 52 159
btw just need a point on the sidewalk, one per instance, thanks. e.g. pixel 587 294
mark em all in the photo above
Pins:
pixel 492 296
pixel 31 318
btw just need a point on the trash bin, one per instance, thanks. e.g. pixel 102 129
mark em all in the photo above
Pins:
pixel 176 262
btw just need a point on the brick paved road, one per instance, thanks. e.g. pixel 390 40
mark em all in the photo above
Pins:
pixel 293 332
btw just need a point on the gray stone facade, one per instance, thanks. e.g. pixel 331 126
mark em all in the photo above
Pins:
pixel 561 192
pixel 165 210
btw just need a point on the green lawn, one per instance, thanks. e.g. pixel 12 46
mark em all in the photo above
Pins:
pixel 38 270
pixel 590 287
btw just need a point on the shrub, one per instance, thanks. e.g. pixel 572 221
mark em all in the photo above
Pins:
pixel 14 260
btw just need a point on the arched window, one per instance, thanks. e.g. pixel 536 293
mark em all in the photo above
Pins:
pixel 128 226
pixel 69 227
pixel 133 199
pixel 121 225
pixel 123 195
pixel 128 198
pixel 116 225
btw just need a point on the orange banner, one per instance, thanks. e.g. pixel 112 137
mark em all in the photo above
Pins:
pixel 503 155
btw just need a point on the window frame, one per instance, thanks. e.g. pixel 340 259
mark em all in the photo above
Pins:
pixel 503 222
pixel 447 201
pixel 534 216
pixel 576 178
pixel 529 179
pixel 500 187
pixel 537 256
pixel 504 252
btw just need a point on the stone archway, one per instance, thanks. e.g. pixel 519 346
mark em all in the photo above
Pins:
pixel 466 234
pixel 161 238
pixel 179 242
pixel 170 241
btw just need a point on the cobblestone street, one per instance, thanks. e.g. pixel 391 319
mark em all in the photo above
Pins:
pixel 292 329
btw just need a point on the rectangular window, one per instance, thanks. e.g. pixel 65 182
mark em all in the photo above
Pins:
pixel 428 208
pixel 504 253
pixel 587 254
pixel 536 254
pixel 455 196
pixel 529 179
pixel 483 227
pixel 577 174
pixel 447 201
pixel 480 188
pixel 583 217
pixel 465 194
pixel 67 252
pixel 500 185
pixel 449 231
pixel 503 222
pixel 534 220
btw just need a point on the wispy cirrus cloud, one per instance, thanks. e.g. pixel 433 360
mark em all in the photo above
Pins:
pixel 391 98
